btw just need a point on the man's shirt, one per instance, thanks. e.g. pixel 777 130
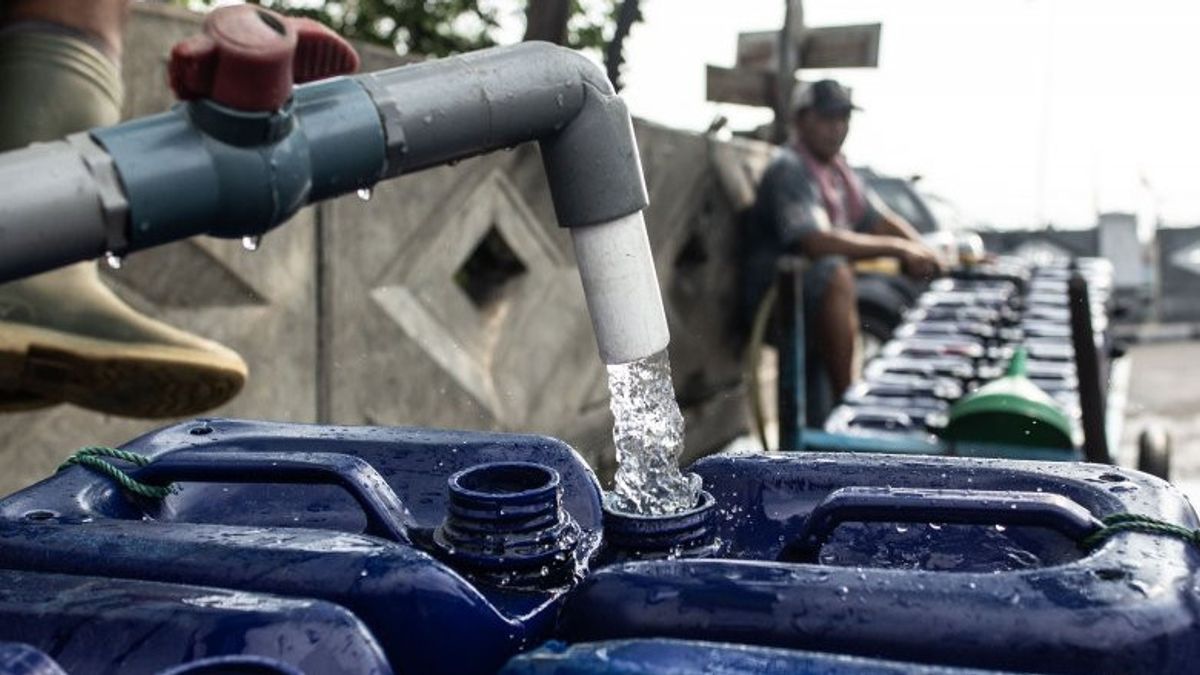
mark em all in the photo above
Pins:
pixel 789 206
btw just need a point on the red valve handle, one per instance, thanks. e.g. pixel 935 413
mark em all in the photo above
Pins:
pixel 247 58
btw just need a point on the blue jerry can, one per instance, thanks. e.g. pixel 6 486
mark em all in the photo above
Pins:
pixel 687 657
pixel 960 562
pixel 235 665
pixel 105 626
pixel 21 659
pixel 448 581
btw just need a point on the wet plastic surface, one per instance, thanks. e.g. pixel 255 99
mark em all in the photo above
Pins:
pixel 682 657
pixel 993 594
pixel 306 536
pixel 99 626
pixel 21 659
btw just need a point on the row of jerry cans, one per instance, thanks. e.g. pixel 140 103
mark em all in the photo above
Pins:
pixel 320 549
pixel 962 333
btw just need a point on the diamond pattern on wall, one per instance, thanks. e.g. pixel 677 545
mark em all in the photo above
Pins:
pixel 485 258
pixel 211 282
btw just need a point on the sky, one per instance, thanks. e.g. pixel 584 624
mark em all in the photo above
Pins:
pixel 1023 112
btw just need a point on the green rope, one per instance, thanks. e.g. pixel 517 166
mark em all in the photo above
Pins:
pixel 92 458
pixel 1129 522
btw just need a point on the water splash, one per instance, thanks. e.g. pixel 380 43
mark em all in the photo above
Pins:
pixel 648 434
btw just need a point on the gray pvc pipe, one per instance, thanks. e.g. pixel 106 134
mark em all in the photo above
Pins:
pixel 56 207
pixel 450 109
pixel 621 288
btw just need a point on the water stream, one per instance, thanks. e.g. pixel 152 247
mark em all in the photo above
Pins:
pixel 648 434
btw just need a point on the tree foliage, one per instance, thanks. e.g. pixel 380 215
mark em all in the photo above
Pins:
pixel 441 27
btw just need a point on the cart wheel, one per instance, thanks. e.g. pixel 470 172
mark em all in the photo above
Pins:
pixel 1154 452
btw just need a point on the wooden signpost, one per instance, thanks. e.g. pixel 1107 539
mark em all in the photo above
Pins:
pixel 762 55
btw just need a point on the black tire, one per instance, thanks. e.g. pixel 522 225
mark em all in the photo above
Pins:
pixel 1154 452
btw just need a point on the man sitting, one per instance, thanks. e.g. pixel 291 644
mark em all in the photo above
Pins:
pixel 811 203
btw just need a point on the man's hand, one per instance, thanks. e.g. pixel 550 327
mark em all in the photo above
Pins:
pixel 919 261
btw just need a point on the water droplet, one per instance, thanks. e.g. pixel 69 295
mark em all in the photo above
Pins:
pixel 362 573
pixel 114 261
pixel 365 194
pixel 252 243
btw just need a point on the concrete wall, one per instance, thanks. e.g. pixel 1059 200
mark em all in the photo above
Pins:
pixel 449 299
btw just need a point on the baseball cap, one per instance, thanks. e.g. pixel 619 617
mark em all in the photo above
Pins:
pixel 827 97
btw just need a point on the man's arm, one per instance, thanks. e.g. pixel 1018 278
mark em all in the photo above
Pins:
pixel 892 224
pixel 852 245
pixel 916 259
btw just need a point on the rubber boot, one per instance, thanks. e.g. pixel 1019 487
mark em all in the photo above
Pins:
pixel 64 335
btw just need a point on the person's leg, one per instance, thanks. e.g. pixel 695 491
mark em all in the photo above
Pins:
pixel 64 335
pixel 54 78
pixel 100 22
pixel 837 326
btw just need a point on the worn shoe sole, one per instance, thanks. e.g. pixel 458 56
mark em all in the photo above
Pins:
pixel 23 401
pixel 118 378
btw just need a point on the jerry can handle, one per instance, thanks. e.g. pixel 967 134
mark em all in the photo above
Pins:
pixel 943 506
pixel 386 515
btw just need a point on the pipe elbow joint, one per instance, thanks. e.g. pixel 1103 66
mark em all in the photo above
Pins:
pixel 592 162
pixel 441 111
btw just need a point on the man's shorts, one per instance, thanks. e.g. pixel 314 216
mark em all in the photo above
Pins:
pixel 817 279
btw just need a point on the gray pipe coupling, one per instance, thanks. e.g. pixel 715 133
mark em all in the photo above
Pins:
pixel 201 168
pixel 60 202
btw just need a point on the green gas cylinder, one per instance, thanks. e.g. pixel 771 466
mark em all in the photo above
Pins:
pixel 1010 410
